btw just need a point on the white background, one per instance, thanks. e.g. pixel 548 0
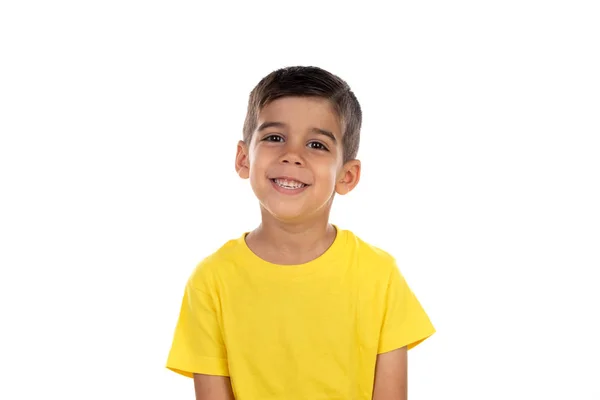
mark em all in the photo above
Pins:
pixel 480 149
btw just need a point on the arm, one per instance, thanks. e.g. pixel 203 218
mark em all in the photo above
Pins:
pixel 212 387
pixel 391 376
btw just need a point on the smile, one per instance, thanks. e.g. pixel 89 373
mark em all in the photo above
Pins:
pixel 289 184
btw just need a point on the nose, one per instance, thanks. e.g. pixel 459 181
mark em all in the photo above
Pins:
pixel 292 151
pixel 291 157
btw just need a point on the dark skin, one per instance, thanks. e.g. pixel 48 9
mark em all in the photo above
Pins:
pixel 390 380
pixel 210 387
pixel 295 228
pixel 305 144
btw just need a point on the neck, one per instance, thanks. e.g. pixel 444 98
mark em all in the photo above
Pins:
pixel 291 242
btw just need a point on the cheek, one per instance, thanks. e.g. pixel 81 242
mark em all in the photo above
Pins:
pixel 335 167
pixel 329 174
pixel 257 159
pixel 260 161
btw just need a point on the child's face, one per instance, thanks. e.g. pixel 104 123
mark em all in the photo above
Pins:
pixel 295 158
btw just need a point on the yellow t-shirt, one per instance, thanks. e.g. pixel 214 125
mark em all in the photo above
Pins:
pixel 309 331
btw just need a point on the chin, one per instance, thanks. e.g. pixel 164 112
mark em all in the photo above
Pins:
pixel 288 216
pixel 286 213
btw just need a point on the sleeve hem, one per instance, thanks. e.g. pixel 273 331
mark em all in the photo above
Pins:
pixel 398 343
pixel 204 365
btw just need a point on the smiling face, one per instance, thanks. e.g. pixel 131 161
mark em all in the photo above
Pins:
pixel 295 159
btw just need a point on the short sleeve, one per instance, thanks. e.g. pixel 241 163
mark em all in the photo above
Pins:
pixel 405 322
pixel 197 345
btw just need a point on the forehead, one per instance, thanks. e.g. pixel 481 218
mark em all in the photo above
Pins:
pixel 302 113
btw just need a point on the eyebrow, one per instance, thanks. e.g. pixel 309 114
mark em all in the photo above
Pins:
pixel 274 124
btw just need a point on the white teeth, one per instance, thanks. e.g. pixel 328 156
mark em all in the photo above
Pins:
pixel 289 184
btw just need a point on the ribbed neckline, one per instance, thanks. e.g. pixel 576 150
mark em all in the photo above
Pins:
pixel 326 259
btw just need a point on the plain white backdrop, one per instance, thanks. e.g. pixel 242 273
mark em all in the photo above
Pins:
pixel 481 175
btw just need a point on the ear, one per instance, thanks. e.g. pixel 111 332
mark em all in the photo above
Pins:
pixel 242 163
pixel 348 177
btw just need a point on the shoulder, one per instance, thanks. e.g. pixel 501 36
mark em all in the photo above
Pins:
pixel 210 267
pixel 374 259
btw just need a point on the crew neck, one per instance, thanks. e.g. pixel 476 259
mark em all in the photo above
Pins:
pixel 332 253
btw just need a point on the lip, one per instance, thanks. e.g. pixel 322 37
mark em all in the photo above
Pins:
pixel 289 178
pixel 288 192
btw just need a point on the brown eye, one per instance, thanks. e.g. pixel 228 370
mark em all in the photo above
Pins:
pixel 317 146
pixel 273 138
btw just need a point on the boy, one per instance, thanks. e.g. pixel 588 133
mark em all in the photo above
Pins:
pixel 298 308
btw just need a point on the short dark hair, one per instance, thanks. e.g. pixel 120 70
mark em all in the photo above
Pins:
pixel 308 82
